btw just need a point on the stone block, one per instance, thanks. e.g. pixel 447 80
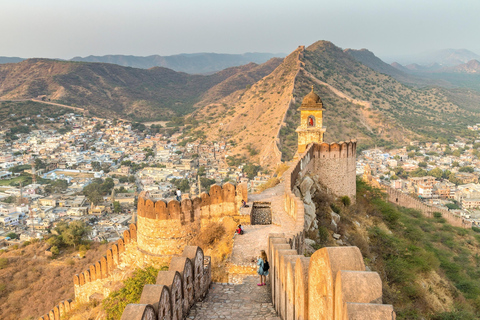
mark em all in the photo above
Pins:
pixel 161 210
pixel 356 287
pixel 366 311
pixel 138 312
pixel 324 266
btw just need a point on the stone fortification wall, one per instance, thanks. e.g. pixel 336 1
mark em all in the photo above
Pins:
pixel 163 227
pixel 176 290
pixel 110 266
pixel 335 165
pixel 158 237
pixel 331 284
pixel 407 201
pixel 59 311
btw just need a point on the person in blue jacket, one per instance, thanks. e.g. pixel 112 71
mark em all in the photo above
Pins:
pixel 262 264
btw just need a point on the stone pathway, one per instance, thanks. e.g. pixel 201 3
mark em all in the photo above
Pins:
pixel 247 247
pixel 240 302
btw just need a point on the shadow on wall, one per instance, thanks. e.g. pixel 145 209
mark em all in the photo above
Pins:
pixel 176 290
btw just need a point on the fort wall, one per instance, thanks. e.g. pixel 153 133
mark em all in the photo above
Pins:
pixel 332 284
pixel 408 201
pixel 335 165
pixel 176 290
pixel 158 237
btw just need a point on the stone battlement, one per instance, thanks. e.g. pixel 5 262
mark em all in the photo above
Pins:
pixel 331 284
pixel 176 290
pixel 219 202
pixel 407 201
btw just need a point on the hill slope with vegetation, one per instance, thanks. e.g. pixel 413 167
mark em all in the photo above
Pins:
pixel 115 91
pixel 360 103
pixel 429 269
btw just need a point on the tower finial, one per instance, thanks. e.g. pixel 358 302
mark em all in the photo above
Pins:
pixel 312 87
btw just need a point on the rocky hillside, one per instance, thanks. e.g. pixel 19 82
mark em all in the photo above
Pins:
pixel 112 90
pixel 360 103
pixel 429 269
pixel 252 117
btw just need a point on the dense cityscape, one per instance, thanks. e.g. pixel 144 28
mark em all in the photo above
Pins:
pixel 93 169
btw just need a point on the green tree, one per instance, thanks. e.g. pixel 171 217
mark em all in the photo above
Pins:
pixel 418 173
pixel 251 170
pixel 201 171
pixel 57 186
pixel 206 183
pixel 117 207
pixel 446 174
pixel 54 250
pixel 457 153
pixel 437 173
pixel 96 166
pixel 453 179
pixel 422 164
pixel 75 233
pixel 93 192
pixel 466 169
pixel 39 164
pixel 13 235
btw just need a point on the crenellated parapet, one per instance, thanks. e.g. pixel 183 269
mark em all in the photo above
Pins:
pixel 405 200
pixel 176 290
pixel 332 284
pixel 220 201
pixel 59 311
pixel 163 227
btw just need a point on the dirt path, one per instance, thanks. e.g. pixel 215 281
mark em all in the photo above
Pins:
pixel 340 94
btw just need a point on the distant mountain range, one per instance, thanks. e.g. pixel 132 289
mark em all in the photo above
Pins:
pixel 444 58
pixel 10 60
pixel 195 63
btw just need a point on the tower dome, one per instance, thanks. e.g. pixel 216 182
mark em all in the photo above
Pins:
pixel 312 98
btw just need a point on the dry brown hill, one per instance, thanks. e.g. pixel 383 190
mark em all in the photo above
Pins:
pixel 251 118
pixel 360 103
pixel 112 90
pixel 31 284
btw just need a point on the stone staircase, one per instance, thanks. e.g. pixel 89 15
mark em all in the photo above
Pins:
pixel 236 301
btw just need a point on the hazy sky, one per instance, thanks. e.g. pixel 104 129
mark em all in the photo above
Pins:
pixel 68 28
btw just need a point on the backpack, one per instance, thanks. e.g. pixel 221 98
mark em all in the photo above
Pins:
pixel 266 266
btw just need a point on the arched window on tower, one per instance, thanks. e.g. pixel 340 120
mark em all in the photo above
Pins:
pixel 311 121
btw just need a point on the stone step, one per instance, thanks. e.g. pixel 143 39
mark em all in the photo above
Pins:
pixel 239 301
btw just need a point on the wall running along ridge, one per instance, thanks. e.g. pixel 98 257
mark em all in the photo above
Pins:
pixel 176 290
pixel 407 201
pixel 402 199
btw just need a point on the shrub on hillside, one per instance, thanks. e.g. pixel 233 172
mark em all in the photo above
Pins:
pixel 116 301
pixel 211 233
pixel 346 201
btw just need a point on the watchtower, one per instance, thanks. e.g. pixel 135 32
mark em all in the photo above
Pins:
pixel 311 127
